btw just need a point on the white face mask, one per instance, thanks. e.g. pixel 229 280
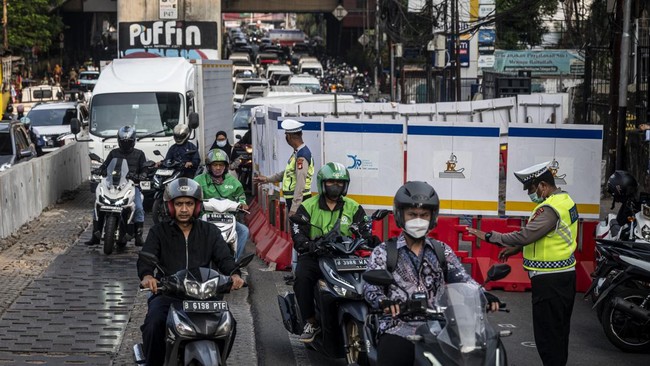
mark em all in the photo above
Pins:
pixel 417 228
pixel 221 143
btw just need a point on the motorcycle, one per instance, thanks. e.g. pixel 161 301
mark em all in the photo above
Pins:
pixel 456 331
pixel 203 330
pixel 637 227
pixel 339 303
pixel 243 164
pixel 168 171
pixel 115 203
pixel 222 213
pixel 624 302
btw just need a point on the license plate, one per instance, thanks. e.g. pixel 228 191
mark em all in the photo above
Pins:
pixel 164 172
pixel 145 185
pixel 110 209
pixel 204 306
pixel 350 264
pixel 219 217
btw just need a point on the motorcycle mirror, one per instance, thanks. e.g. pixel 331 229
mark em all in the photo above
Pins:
pixel 498 272
pixel 157 152
pixel 193 120
pixel 380 214
pixel 151 258
pixel 246 260
pixel 149 163
pixel 94 157
pixel 379 277
pixel 238 136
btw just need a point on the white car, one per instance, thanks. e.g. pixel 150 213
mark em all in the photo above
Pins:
pixel 242 84
pixel 88 80
pixel 52 120
pixel 305 80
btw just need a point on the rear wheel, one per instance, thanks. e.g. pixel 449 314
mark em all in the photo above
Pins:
pixel 356 351
pixel 110 229
pixel 158 210
pixel 622 330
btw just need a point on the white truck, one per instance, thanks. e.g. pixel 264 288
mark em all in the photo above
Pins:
pixel 153 95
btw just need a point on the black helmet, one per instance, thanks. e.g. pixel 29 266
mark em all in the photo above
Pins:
pixel 621 185
pixel 181 134
pixel 182 187
pixel 10 109
pixel 126 139
pixel 416 194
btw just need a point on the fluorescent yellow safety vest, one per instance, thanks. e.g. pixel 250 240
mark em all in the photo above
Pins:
pixel 289 178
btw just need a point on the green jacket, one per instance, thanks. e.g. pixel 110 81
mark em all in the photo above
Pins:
pixel 230 188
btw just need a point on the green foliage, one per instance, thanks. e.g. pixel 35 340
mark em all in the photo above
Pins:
pixel 33 23
pixel 520 23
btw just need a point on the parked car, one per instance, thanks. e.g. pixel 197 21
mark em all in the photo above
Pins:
pixel 39 94
pixel 87 80
pixel 15 145
pixel 52 120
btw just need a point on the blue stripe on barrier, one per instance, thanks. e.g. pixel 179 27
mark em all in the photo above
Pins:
pixel 453 131
pixel 308 126
pixel 362 127
pixel 555 133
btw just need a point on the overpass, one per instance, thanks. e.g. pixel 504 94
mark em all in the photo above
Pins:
pixel 278 6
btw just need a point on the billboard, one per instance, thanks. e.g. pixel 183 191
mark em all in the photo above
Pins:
pixel 191 39
pixel 553 62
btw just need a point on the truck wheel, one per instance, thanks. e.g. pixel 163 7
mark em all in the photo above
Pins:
pixel 622 330
pixel 110 230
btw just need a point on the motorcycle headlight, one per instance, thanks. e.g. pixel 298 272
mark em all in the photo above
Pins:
pixel 181 327
pixel 249 149
pixel 103 199
pixel 192 288
pixel 343 292
pixel 645 231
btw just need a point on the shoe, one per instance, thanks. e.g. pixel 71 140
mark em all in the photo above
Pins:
pixel 93 241
pixel 96 234
pixel 309 333
pixel 138 234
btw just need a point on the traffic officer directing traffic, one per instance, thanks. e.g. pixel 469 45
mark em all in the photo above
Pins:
pixel 548 242
pixel 296 177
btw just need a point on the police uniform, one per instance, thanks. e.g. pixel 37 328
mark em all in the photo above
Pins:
pixel 549 242
pixel 296 176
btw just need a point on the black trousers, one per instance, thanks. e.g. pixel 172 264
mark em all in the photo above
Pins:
pixel 394 350
pixel 154 327
pixel 290 201
pixel 553 296
pixel 307 274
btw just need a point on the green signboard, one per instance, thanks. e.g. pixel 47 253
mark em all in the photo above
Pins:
pixel 543 62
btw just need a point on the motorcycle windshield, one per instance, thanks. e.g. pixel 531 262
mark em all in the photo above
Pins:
pixel 116 173
pixel 465 335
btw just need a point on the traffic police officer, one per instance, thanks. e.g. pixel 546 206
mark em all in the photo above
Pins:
pixel 548 242
pixel 296 177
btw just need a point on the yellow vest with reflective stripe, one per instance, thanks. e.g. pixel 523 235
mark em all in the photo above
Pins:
pixel 289 178
pixel 554 251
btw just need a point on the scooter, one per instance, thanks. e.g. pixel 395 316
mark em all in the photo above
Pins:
pixel 203 330
pixel 222 213
pixel 115 204
pixel 167 172
pixel 456 331
pixel 637 227
pixel 339 303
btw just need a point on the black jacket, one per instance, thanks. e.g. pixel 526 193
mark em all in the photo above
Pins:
pixel 204 245
pixel 135 159
pixel 179 153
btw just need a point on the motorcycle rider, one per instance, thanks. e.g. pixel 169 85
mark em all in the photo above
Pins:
pixel 417 271
pixel 178 151
pixel 184 242
pixel 322 211
pixel 217 183
pixel 623 188
pixel 136 160
pixel 34 136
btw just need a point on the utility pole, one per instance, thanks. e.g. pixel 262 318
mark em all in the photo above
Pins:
pixel 429 95
pixel 5 43
pixel 457 95
pixel 611 121
pixel 378 60
pixel 622 86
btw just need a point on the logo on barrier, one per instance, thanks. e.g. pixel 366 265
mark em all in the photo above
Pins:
pixel 554 167
pixel 361 164
pixel 450 170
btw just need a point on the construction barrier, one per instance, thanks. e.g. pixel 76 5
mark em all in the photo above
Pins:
pixel 269 230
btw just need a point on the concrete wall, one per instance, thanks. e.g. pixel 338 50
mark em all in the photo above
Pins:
pixel 27 188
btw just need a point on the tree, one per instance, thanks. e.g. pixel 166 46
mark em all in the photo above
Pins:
pixel 520 23
pixel 32 23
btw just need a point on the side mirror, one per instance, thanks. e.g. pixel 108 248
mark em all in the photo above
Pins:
pixel 95 157
pixel 379 214
pixel 75 125
pixel 498 272
pixel 151 259
pixel 238 136
pixel 378 277
pixel 299 219
pixel 246 260
pixel 193 120
pixel 157 152
pixel 149 164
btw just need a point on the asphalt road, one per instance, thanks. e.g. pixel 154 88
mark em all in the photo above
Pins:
pixel 588 346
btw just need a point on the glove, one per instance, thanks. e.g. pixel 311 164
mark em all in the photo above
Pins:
pixel 491 298
pixel 314 247
pixel 373 241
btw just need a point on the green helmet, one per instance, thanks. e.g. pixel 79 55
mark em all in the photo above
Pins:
pixel 215 155
pixel 333 171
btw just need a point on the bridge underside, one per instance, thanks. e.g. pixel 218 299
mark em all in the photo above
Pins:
pixel 278 6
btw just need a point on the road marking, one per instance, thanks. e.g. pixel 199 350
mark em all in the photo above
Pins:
pixel 507 326
pixel 298 348
pixel 530 344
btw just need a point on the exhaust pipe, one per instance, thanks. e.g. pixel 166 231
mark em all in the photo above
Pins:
pixel 631 309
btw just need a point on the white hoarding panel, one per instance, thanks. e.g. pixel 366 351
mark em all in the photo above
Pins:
pixel 541 108
pixel 373 152
pixel 576 150
pixel 460 160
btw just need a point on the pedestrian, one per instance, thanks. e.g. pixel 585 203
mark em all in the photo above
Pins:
pixel 296 176
pixel 548 241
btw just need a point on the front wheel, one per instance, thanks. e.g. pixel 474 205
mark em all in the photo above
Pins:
pixel 356 352
pixel 110 231
pixel 622 330
pixel 501 359
pixel 158 210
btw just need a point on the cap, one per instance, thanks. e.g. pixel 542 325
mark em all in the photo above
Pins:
pixel 528 175
pixel 291 126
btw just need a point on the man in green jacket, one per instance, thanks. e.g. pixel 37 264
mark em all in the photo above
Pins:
pixel 217 183
pixel 322 211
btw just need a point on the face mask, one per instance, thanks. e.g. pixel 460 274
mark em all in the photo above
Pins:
pixel 221 143
pixel 417 228
pixel 535 197
pixel 333 192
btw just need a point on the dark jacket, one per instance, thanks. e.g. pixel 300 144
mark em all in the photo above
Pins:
pixel 178 153
pixel 204 245
pixel 135 159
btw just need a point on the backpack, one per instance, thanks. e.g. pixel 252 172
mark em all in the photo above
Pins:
pixel 391 255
